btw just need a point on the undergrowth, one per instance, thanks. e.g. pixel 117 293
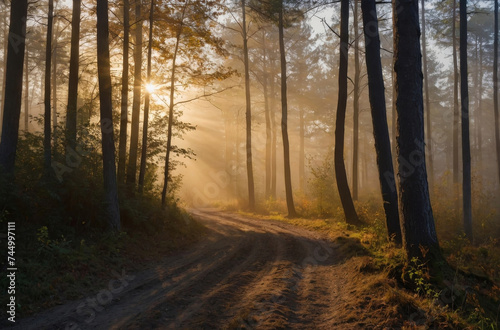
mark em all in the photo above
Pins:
pixel 64 250
pixel 463 293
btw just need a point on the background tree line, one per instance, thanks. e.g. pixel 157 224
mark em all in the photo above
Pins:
pixel 292 95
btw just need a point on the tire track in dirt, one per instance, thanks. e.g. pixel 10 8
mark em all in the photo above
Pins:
pixel 278 296
pixel 245 273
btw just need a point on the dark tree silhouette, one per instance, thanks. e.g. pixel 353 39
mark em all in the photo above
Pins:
pixel 456 114
pixel 26 91
pixel 73 75
pixel 340 173
pixel 108 145
pixel 282 13
pixel 417 221
pixel 136 101
pixel 379 119
pixel 171 106
pixel 355 107
pixel 464 97
pixel 248 113
pixel 13 84
pixel 495 89
pixel 47 129
pixel 145 122
pixel 122 147
pixel 284 116
pixel 428 128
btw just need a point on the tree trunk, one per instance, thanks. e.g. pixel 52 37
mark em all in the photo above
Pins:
pixel 5 47
pixel 268 117
pixel 284 123
pixel 47 138
pixel 495 90
pixel 274 138
pixel 26 93
pixel 474 110
pixel 355 128
pixel 108 146
pixel 171 111
pixel 136 102
pixel 54 90
pixel 251 188
pixel 73 76
pixel 228 158
pixel 394 118
pixel 427 101
pixel 340 172
pixel 464 97
pixel 142 171
pixel 480 108
pixel 302 153
pixel 417 221
pixel 456 113
pixel 237 156
pixel 379 119
pixel 122 153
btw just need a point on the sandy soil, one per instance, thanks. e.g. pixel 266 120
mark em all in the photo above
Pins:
pixel 246 274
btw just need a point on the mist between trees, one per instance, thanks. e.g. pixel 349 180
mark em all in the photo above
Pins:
pixel 261 104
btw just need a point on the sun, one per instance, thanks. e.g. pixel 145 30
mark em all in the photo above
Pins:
pixel 151 87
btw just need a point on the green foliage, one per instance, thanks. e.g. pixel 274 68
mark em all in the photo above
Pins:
pixel 63 245
pixel 52 248
pixel 323 187
pixel 417 272
pixel 465 295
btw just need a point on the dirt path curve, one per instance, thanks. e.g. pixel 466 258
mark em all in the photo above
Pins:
pixel 247 273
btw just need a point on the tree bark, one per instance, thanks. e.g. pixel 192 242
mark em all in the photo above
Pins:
pixel 26 93
pixel 248 113
pixel 108 146
pixel 474 111
pixel 274 138
pixel 5 48
pixel 456 113
pixel 302 152
pixel 228 157
pixel 171 110
pixel 417 221
pixel 428 127
pixel 480 108
pixel 340 172
pixel 464 97
pixel 47 138
pixel 394 119
pixel 268 117
pixel 122 148
pixel 379 119
pixel 355 128
pixel 495 89
pixel 73 76
pixel 136 102
pixel 284 124
pixel 145 123
pixel 54 87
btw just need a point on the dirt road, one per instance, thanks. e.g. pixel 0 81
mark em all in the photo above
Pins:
pixel 246 273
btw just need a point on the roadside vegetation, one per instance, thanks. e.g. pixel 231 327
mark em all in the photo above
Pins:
pixel 464 293
pixel 64 250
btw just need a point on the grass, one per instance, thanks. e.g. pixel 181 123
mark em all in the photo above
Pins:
pixel 463 294
pixel 57 264
pixel 64 250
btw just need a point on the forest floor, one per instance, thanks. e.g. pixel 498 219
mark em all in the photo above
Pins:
pixel 248 273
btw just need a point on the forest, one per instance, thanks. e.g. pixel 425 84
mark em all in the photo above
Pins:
pixel 249 164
